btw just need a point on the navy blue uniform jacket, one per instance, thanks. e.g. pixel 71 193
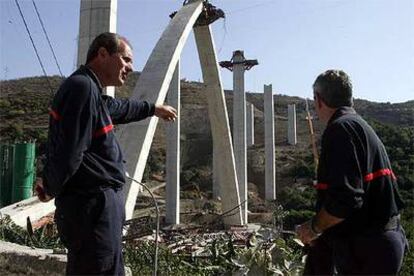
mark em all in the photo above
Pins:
pixel 355 178
pixel 83 153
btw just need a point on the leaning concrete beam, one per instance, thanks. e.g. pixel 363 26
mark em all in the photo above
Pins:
pixel 270 166
pixel 215 170
pixel 96 17
pixel 30 207
pixel 153 83
pixel 173 153
pixel 220 127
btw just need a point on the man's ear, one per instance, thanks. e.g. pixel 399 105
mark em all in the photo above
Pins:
pixel 102 52
pixel 319 101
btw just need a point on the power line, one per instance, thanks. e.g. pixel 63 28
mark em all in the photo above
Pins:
pixel 47 38
pixel 34 46
pixel 252 7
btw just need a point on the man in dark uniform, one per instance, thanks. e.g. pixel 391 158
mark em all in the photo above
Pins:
pixel 357 226
pixel 84 170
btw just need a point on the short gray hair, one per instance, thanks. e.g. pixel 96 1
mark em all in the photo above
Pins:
pixel 110 41
pixel 334 87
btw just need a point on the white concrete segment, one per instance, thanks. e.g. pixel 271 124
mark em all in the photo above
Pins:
pixel 249 124
pixel 219 126
pixel 292 138
pixel 215 169
pixel 96 17
pixel 239 128
pixel 270 166
pixel 152 86
pixel 173 153
pixel 31 207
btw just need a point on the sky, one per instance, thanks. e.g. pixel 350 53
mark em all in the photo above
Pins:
pixel 293 41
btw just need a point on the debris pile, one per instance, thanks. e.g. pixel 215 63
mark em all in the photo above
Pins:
pixel 252 250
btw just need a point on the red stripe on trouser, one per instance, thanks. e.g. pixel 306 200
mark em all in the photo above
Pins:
pixel 369 177
pixel 103 130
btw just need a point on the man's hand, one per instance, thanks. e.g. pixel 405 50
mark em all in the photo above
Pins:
pixel 40 191
pixel 312 229
pixel 165 112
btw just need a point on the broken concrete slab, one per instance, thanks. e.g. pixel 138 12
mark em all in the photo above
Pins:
pixel 31 207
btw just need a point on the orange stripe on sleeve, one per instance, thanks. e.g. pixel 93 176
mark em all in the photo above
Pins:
pixel 379 173
pixel 55 115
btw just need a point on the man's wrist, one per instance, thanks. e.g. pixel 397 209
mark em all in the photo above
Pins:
pixel 313 227
pixel 152 108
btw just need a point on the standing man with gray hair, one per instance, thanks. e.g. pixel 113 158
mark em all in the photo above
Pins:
pixel 84 170
pixel 357 226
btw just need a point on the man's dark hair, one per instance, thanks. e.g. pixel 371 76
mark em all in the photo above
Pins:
pixel 334 87
pixel 110 41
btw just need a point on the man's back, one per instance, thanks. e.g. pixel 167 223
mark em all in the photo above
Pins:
pixel 362 185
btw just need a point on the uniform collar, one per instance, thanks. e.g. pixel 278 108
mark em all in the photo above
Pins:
pixel 92 74
pixel 341 111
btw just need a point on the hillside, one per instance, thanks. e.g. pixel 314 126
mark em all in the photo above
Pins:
pixel 24 116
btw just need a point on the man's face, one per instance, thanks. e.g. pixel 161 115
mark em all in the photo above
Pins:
pixel 119 65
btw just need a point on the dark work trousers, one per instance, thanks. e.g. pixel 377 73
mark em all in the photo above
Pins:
pixel 374 253
pixel 90 226
pixel 319 258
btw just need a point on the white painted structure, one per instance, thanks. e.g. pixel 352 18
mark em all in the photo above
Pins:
pixel 96 17
pixel 292 138
pixel 249 124
pixel 173 153
pixel 270 160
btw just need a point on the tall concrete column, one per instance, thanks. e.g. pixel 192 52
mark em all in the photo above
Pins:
pixel 239 65
pixel 270 164
pixel 250 124
pixel 173 152
pixel 239 128
pixel 96 17
pixel 292 138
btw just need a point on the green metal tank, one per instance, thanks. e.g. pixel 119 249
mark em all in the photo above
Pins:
pixel 6 174
pixel 23 171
